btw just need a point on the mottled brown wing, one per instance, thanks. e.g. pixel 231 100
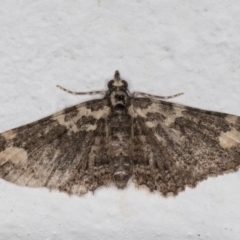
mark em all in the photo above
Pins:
pixel 178 146
pixel 65 151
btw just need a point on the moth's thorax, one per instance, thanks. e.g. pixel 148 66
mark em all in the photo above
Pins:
pixel 119 98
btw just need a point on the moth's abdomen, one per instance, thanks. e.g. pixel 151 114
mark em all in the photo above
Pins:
pixel 119 147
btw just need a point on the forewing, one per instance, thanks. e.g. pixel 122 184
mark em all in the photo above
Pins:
pixel 65 151
pixel 176 146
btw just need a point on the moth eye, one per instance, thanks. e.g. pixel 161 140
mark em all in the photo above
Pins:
pixel 125 83
pixel 110 83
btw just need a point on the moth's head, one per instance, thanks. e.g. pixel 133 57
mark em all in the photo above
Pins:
pixel 118 92
pixel 117 83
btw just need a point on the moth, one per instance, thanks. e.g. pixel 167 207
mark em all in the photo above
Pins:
pixel 164 146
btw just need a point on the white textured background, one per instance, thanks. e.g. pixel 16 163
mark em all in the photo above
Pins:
pixel 161 47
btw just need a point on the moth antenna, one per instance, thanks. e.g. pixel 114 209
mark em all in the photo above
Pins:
pixel 81 93
pixel 155 96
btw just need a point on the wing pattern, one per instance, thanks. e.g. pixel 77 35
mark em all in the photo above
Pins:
pixel 178 146
pixel 65 151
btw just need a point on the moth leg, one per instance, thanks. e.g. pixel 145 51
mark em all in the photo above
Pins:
pixel 134 94
pixel 81 93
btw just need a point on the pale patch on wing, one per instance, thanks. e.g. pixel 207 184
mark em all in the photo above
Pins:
pixel 41 173
pixel 9 135
pixel 177 113
pixel 156 107
pixel 16 155
pixel 172 133
pixel 160 139
pixel 231 119
pixel 89 127
pixel 79 190
pixel 152 124
pixel 83 112
pixel 142 112
pixel 229 139
pixel 132 111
